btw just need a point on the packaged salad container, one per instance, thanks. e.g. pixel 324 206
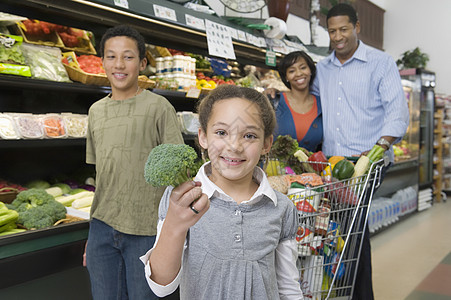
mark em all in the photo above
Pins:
pixel 54 126
pixel 76 125
pixel 8 128
pixel 29 126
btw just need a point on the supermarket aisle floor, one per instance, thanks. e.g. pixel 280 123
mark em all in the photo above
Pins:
pixel 405 254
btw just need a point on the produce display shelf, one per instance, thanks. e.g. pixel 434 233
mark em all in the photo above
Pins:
pixel 30 143
pixel 37 254
pixel 34 240
pixel 14 82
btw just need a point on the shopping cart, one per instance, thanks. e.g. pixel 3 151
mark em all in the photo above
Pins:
pixel 332 221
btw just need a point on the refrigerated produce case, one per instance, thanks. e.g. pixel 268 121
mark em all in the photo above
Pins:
pixel 423 83
pixel 404 172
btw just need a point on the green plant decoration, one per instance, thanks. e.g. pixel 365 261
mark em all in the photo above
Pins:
pixel 413 59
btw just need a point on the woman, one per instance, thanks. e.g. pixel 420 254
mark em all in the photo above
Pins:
pixel 298 112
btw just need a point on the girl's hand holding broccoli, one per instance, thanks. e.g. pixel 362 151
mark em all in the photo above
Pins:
pixel 179 218
pixel 185 200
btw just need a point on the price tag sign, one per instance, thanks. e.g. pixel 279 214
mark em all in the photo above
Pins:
pixel 193 93
pixel 219 41
pixel 233 33
pixel 270 58
pixel 195 22
pixel 164 12
pixel 241 35
pixel 121 3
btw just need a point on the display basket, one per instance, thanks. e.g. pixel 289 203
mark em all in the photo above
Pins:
pixel 101 79
pixel 54 40
pixel 86 78
pixel 50 40
pixel 7 195
pixel 332 220
pixel 69 219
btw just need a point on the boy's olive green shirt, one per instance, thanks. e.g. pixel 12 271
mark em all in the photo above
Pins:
pixel 120 136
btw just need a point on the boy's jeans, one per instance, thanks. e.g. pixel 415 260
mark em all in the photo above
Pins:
pixel 113 263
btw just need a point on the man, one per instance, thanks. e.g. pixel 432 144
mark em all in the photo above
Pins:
pixel 363 104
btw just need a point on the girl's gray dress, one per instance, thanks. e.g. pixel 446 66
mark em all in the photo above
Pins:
pixel 231 249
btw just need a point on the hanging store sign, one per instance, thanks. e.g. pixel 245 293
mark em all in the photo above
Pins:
pixel 219 40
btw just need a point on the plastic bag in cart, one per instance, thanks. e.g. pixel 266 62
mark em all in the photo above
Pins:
pixel 341 192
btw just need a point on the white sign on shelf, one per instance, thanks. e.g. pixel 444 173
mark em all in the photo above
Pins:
pixel 121 3
pixel 261 42
pixel 219 40
pixel 195 22
pixel 233 33
pixel 241 35
pixel 296 46
pixel 277 46
pixel 193 93
pixel 164 12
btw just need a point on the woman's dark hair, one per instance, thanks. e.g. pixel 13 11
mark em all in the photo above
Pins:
pixel 224 92
pixel 343 9
pixel 127 31
pixel 291 59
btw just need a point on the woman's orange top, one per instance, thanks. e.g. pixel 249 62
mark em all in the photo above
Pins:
pixel 302 122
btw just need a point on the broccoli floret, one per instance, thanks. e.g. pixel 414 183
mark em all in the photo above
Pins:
pixel 31 198
pixel 55 209
pixel 171 164
pixel 37 209
pixel 36 218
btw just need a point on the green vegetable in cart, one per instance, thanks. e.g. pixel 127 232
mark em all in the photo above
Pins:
pixel 364 162
pixel 171 164
pixel 344 169
pixel 302 155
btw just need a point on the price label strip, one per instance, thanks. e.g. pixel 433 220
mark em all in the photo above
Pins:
pixel 195 22
pixel 164 12
pixel 121 3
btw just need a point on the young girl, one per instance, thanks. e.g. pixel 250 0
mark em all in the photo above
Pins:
pixel 227 234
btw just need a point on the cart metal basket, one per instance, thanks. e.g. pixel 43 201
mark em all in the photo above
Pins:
pixel 332 221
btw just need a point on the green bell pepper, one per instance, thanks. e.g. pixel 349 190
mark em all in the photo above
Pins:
pixel 344 169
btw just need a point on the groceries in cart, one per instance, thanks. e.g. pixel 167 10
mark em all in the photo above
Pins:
pixel 286 157
pixel 332 196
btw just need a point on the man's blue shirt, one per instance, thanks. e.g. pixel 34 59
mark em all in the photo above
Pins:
pixel 362 100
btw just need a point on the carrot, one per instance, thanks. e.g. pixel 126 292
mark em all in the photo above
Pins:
pixel 54 127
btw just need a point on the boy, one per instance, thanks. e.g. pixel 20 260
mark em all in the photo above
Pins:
pixel 123 128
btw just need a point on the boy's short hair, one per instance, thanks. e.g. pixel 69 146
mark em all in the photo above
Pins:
pixel 124 30
pixel 343 9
